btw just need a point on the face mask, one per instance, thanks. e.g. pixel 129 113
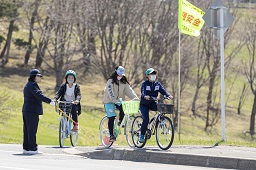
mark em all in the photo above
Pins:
pixel 70 81
pixel 119 78
pixel 152 77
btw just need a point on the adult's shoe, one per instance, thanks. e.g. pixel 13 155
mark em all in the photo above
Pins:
pixel 34 152
pixel 25 152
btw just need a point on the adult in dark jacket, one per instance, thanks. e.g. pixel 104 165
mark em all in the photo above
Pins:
pixel 149 89
pixel 70 91
pixel 32 108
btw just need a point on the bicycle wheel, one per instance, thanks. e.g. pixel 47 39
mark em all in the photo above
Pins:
pixel 164 133
pixel 62 132
pixel 104 132
pixel 136 130
pixel 73 135
pixel 128 130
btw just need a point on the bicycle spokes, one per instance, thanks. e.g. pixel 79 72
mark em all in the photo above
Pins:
pixel 136 131
pixel 164 133
pixel 104 132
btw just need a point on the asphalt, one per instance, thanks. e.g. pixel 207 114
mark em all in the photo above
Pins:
pixel 228 157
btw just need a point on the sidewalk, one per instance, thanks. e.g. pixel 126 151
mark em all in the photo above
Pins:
pixel 228 157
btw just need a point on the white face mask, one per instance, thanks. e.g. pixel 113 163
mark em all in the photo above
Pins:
pixel 70 81
pixel 152 77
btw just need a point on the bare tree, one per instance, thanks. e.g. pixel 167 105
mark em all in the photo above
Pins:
pixel 115 21
pixel 209 68
pixel 249 66
pixel 32 19
pixel 58 38
pixel 242 98
pixel 86 31
pixel 10 11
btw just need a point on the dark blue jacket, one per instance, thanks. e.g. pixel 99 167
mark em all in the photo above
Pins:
pixel 33 98
pixel 151 89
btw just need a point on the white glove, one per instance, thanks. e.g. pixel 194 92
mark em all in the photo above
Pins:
pixel 52 103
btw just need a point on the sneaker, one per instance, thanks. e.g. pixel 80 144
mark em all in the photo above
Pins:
pixel 76 128
pixel 112 138
pixel 25 152
pixel 142 139
pixel 119 123
pixel 34 152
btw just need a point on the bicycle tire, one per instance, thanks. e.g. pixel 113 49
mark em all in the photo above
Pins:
pixel 62 132
pixel 128 130
pixel 104 133
pixel 136 131
pixel 73 135
pixel 164 133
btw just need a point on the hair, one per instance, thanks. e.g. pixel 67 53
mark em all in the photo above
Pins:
pixel 32 78
pixel 114 79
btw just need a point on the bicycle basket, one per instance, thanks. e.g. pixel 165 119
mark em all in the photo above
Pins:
pixel 165 108
pixel 131 107
pixel 66 107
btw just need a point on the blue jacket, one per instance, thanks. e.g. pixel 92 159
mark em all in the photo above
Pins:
pixel 33 98
pixel 151 89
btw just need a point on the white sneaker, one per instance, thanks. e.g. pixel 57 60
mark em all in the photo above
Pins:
pixel 34 152
pixel 25 152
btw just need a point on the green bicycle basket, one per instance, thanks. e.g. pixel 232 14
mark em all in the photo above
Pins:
pixel 131 107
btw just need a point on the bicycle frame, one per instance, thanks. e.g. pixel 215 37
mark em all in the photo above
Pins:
pixel 64 113
pixel 118 128
pixel 154 120
pixel 65 126
pixel 104 131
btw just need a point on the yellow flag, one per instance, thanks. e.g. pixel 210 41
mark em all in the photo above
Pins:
pixel 190 19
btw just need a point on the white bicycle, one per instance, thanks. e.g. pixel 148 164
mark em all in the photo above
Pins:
pixel 130 108
pixel 66 122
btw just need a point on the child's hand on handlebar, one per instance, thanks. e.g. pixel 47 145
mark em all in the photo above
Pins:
pixel 75 102
pixel 147 97
pixel 115 101
pixel 170 97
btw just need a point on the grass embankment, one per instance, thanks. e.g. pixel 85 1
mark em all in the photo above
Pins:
pixel 11 100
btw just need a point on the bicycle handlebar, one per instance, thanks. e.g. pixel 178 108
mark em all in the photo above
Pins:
pixel 64 102
pixel 159 99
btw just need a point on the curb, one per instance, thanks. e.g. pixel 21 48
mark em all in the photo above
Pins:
pixel 140 155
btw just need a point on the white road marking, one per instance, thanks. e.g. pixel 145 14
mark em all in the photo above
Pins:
pixel 9 167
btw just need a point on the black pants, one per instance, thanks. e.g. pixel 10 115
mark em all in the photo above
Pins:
pixel 74 113
pixel 112 119
pixel 30 125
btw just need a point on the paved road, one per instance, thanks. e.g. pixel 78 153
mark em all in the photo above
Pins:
pixel 68 158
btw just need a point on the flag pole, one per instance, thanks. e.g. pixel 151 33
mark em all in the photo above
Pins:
pixel 179 92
